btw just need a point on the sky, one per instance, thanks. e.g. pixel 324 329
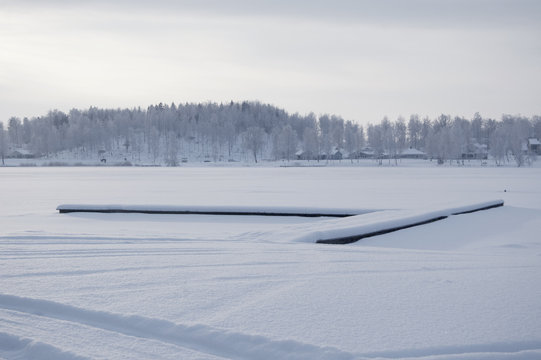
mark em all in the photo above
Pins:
pixel 359 59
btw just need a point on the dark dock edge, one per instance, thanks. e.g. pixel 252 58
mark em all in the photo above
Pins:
pixel 197 212
pixel 354 238
pixel 499 204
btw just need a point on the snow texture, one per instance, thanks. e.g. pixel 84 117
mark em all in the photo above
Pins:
pixel 196 337
pixel 140 286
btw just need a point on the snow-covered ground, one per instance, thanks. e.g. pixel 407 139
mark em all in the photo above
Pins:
pixel 139 286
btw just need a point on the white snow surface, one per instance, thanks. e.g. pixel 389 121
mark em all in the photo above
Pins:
pixel 140 286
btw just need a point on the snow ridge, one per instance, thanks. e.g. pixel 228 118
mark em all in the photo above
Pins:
pixel 222 343
pixel 201 338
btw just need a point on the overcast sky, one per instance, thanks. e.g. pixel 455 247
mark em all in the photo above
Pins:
pixel 355 58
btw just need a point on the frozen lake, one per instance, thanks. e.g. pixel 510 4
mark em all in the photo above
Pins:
pixel 112 286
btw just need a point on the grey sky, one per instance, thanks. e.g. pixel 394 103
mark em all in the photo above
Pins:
pixel 360 59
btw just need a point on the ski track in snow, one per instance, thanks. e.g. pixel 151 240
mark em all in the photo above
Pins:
pixel 206 340
pixel 201 338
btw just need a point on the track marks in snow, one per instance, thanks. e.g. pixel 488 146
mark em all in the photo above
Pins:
pixel 211 342
pixel 201 338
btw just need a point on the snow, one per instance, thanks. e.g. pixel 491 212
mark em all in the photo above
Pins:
pixel 139 286
pixel 22 348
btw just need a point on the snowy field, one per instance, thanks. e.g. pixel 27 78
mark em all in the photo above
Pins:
pixel 139 286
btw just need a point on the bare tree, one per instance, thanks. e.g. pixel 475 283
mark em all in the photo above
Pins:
pixel 253 140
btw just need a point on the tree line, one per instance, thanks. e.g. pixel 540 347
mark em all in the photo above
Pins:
pixel 220 132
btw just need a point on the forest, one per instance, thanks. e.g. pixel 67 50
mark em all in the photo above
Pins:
pixel 253 131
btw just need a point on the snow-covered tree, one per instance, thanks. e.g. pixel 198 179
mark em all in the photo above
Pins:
pixel 388 138
pixel 414 131
pixel 400 132
pixel 15 131
pixel 285 142
pixel 498 144
pixel 221 130
pixel 536 124
pixel 477 128
pixel 253 140
pixel 337 132
pixel 519 135
pixel 311 143
pixel 325 137
pixel 376 141
pixel 3 143
pixel 351 137
pixel 171 149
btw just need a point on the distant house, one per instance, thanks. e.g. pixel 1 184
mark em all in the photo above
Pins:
pixel 534 146
pixel 364 153
pixel 412 153
pixel 336 154
pixel 21 154
pixel 304 155
pixel 101 156
pixel 475 151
